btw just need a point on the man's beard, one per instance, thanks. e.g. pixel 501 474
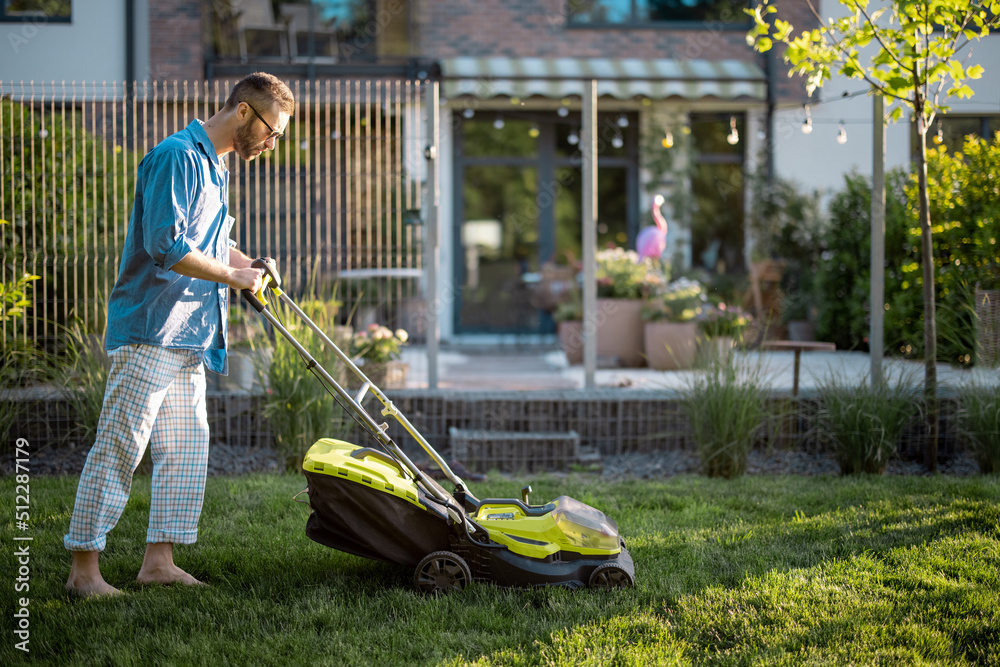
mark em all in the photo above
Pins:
pixel 244 143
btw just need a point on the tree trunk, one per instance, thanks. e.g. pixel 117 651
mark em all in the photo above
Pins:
pixel 930 322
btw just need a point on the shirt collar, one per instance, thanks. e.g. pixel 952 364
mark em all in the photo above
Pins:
pixel 200 137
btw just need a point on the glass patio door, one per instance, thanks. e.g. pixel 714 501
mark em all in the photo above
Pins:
pixel 517 205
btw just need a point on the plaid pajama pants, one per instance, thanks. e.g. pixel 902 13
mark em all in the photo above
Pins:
pixel 156 396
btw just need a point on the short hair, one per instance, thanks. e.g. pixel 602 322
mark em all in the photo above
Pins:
pixel 261 90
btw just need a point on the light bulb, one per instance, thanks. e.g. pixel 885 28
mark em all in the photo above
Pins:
pixel 533 131
pixel 842 134
pixel 668 140
pixel 573 138
pixel 617 141
pixel 807 124
pixel 468 113
pixel 563 112
pixel 734 136
pixel 43 133
pixel 622 120
pixel 498 123
pixel 939 137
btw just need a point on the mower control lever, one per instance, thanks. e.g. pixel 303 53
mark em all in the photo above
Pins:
pixel 271 278
pixel 524 494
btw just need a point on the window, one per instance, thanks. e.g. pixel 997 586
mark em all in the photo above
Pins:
pixel 951 130
pixel 728 12
pixel 41 11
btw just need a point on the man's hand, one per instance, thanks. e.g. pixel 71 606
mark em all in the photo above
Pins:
pixel 251 279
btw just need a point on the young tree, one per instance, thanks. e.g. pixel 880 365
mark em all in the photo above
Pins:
pixel 913 52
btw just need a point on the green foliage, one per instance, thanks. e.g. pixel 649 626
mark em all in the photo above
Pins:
pixel 681 301
pixel 83 378
pixel 863 421
pixel 621 275
pixel 843 277
pixel 979 423
pixel 965 205
pixel 297 406
pixel 726 407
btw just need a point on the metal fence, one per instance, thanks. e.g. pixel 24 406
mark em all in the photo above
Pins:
pixel 337 204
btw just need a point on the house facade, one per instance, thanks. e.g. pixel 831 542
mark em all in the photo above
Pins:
pixel 686 110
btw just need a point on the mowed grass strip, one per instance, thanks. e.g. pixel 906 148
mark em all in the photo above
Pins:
pixel 758 570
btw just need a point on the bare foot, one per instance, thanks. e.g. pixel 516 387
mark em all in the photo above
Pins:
pixel 166 574
pixel 85 577
pixel 158 567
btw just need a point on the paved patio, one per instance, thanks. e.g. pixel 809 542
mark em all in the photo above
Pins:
pixel 472 368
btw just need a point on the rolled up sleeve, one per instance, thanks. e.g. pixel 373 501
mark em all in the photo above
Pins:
pixel 167 212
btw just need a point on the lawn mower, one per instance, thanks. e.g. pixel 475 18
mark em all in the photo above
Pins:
pixel 375 502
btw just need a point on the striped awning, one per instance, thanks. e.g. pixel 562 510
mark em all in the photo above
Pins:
pixel 621 78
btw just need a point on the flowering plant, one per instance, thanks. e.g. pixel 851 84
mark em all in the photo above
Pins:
pixel 723 321
pixel 681 301
pixel 378 344
pixel 622 275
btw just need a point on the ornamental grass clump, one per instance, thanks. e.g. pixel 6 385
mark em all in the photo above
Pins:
pixel 862 421
pixel 979 424
pixel 726 407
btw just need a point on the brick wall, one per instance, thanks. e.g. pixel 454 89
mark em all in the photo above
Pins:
pixel 539 28
pixel 176 48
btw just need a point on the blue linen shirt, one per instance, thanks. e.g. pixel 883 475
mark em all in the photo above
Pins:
pixel 181 195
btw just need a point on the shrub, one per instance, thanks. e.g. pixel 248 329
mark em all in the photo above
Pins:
pixel 843 277
pixel 299 409
pixel 725 405
pixel 862 421
pixel 979 424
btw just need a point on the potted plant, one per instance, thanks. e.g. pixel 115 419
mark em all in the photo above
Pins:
pixel 243 354
pixel 378 350
pixel 623 281
pixel 670 333
pixel 720 328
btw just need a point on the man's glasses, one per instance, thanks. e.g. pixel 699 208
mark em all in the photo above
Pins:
pixel 274 133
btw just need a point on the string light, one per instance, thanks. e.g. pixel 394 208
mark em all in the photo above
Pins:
pixel 563 110
pixel 939 137
pixel 468 112
pixel 617 141
pixel 734 136
pixel 573 137
pixel 668 140
pixel 533 131
pixel 807 124
pixel 841 134
pixel 622 120
pixel 498 123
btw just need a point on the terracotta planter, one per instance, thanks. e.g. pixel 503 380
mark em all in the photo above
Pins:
pixel 671 345
pixel 571 339
pixel 620 331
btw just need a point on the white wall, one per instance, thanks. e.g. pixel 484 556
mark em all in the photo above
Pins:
pixel 817 161
pixel 91 48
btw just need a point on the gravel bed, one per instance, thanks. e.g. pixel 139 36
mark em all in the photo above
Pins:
pixel 227 460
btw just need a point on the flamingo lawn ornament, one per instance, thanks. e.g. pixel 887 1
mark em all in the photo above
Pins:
pixel 652 241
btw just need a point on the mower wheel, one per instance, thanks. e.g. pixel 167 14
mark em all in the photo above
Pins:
pixel 609 576
pixel 441 572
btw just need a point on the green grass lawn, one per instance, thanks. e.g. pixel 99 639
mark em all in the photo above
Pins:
pixel 762 570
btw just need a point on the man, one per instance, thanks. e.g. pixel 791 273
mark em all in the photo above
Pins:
pixel 167 318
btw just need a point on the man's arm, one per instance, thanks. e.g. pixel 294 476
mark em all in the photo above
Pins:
pixel 238 260
pixel 196 264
